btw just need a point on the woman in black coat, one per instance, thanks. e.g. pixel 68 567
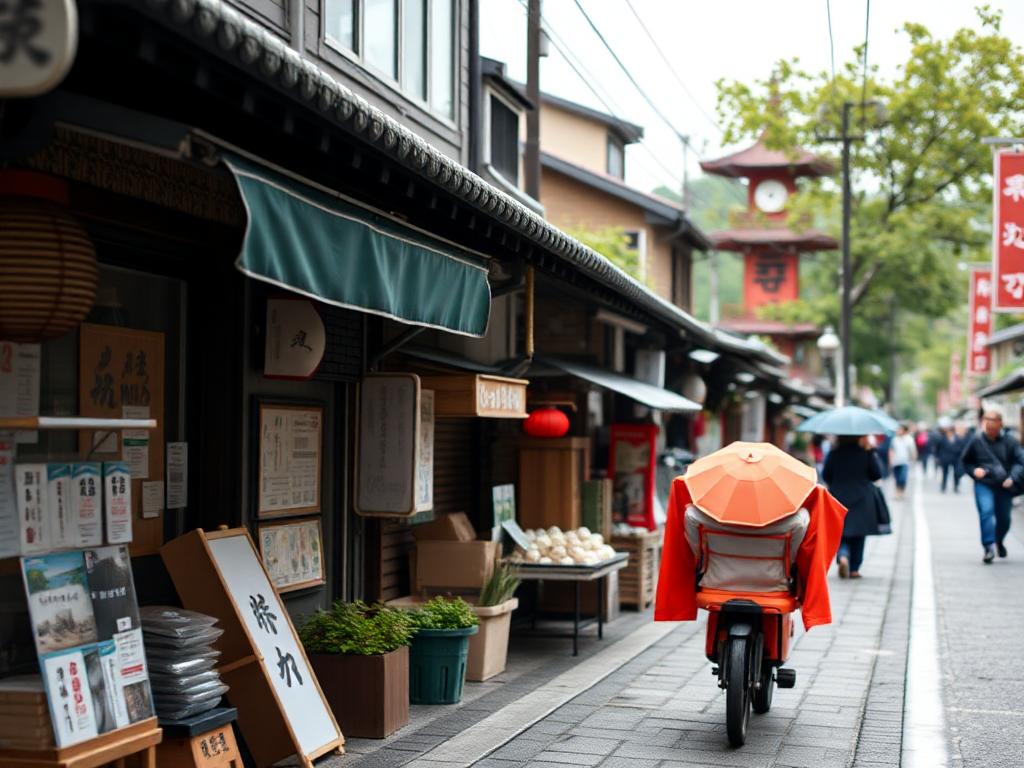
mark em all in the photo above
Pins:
pixel 850 472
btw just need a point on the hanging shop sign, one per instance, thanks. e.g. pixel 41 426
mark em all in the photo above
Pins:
pixel 38 40
pixel 1008 231
pixel 395 462
pixel 290 446
pixel 281 709
pixel 296 339
pixel 979 304
pixel 482 395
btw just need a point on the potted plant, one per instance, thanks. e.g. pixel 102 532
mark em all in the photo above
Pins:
pixel 488 649
pixel 364 648
pixel 437 655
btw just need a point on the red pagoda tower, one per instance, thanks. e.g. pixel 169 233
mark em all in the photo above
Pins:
pixel 771 250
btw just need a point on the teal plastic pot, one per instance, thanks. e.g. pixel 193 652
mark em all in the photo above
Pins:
pixel 437 665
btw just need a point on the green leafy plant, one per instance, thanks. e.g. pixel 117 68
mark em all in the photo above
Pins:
pixel 500 587
pixel 444 613
pixel 357 628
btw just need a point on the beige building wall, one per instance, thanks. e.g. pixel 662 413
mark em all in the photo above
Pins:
pixel 580 140
pixel 575 206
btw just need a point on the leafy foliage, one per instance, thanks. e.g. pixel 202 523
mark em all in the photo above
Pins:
pixel 613 244
pixel 444 613
pixel 357 628
pixel 500 587
pixel 921 176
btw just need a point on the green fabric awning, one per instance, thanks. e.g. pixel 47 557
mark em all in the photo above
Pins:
pixel 321 246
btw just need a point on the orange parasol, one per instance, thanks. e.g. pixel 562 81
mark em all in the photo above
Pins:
pixel 751 484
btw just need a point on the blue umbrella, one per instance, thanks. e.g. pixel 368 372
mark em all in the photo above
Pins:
pixel 886 419
pixel 848 420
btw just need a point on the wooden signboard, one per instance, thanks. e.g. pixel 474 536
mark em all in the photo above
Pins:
pixel 291 447
pixel 292 552
pixel 281 708
pixel 495 397
pixel 121 375
pixel 394 471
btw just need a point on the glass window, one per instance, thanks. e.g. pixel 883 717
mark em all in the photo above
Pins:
pixel 442 57
pixel 504 137
pixel 414 48
pixel 616 158
pixel 380 21
pixel 340 22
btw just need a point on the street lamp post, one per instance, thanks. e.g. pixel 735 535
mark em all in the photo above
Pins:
pixel 828 345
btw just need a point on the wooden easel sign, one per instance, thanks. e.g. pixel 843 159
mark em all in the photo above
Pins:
pixel 281 709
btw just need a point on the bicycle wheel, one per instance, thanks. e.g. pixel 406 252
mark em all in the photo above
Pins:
pixel 737 691
pixel 762 698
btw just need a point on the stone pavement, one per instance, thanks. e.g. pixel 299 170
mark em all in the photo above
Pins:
pixel 981 633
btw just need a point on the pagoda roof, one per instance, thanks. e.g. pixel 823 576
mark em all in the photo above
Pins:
pixel 758 158
pixel 742 239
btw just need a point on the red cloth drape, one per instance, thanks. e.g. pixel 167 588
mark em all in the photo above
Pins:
pixel 676 599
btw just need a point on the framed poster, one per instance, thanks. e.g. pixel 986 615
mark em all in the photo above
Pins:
pixel 292 552
pixel 631 460
pixel 290 452
pixel 394 472
pixel 121 376
pixel 281 708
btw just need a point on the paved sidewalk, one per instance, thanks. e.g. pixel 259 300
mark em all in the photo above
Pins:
pixel 981 633
pixel 664 709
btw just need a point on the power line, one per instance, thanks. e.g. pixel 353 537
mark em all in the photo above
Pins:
pixel 629 75
pixel 671 69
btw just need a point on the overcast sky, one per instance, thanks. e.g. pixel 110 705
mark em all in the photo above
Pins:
pixel 705 40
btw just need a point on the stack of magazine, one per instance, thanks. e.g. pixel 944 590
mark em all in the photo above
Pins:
pixel 24 715
pixel 182 661
pixel 85 620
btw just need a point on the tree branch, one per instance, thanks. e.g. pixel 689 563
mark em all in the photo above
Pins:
pixel 860 289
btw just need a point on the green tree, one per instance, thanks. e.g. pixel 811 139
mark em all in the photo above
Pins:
pixel 613 244
pixel 921 175
pixel 37 580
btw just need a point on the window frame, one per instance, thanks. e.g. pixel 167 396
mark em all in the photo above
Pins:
pixel 490 93
pixel 356 55
pixel 620 145
pixel 641 246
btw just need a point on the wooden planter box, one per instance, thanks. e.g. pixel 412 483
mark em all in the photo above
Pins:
pixel 369 695
pixel 637 581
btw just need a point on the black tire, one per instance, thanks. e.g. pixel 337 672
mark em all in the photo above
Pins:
pixel 737 691
pixel 762 699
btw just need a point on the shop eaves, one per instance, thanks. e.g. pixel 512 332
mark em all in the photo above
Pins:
pixel 216 26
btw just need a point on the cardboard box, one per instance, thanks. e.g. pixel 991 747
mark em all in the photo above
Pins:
pixel 455 564
pixel 453 527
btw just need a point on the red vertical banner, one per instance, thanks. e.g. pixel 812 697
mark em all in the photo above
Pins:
pixel 1008 231
pixel 979 322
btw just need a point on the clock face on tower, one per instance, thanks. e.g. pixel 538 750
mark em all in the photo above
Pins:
pixel 770 196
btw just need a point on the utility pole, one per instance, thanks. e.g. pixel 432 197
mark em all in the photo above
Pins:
pixel 531 155
pixel 844 323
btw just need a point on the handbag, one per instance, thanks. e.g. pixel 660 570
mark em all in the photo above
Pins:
pixel 883 518
pixel 1017 489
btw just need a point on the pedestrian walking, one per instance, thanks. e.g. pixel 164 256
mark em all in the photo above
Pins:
pixel 963 435
pixel 851 469
pixel 947 453
pixel 924 447
pixel 902 453
pixel 996 462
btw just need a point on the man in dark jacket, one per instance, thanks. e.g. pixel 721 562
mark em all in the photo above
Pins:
pixel 995 461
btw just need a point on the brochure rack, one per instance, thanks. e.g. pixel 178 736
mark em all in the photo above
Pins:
pixel 139 739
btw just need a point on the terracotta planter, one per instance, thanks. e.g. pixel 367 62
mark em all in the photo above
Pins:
pixel 369 695
pixel 488 649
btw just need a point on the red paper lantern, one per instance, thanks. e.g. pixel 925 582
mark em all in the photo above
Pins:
pixel 546 422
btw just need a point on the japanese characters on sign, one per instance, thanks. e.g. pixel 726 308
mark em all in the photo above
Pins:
pixel 38 40
pixel 979 322
pixel 1008 231
pixel 770 277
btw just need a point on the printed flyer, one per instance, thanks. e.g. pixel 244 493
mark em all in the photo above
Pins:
pixel 85 618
